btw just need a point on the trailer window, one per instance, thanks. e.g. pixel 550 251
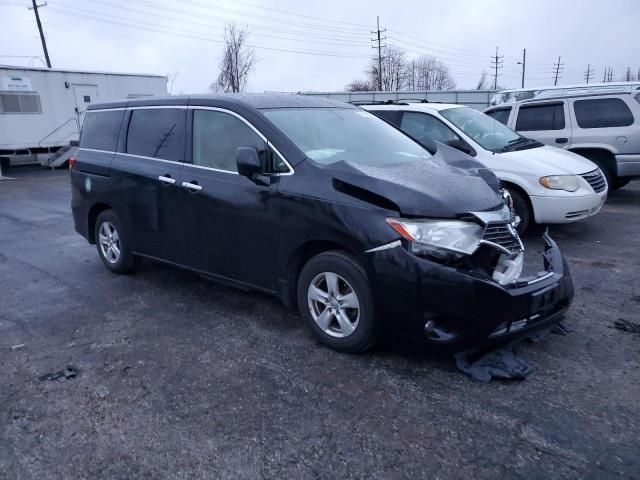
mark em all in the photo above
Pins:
pixel 20 103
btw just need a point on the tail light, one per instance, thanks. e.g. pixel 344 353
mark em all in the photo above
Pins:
pixel 72 162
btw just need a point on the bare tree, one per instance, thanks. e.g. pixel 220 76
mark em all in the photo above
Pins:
pixel 360 86
pixel 237 62
pixel 432 74
pixel 394 69
pixel 482 82
pixel 399 73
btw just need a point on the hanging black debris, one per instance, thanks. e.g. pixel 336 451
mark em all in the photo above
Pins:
pixel 66 374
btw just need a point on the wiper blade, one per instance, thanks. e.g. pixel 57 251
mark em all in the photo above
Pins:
pixel 512 143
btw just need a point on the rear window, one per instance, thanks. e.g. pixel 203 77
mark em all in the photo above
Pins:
pixel 501 115
pixel 602 113
pixel 548 116
pixel 100 130
pixel 157 133
pixel 391 116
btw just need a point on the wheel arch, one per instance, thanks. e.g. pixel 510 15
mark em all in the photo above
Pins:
pixel 601 156
pixel 94 211
pixel 301 255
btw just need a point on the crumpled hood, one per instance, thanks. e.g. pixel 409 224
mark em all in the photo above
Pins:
pixel 548 160
pixel 447 185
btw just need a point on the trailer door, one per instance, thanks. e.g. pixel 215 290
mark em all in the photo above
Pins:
pixel 85 95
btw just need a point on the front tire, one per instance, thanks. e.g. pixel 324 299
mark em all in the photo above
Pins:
pixel 112 243
pixel 5 163
pixel 523 210
pixel 335 300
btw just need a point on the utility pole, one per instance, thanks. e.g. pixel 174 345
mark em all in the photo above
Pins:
pixel 44 43
pixel 496 63
pixel 523 63
pixel 557 67
pixel 588 74
pixel 628 74
pixel 604 76
pixel 379 40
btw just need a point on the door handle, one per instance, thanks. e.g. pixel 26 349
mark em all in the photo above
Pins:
pixel 192 187
pixel 562 140
pixel 166 179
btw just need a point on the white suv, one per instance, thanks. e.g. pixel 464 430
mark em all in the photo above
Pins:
pixel 547 184
pixel 601 125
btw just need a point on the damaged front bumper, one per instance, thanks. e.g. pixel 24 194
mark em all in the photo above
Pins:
pixel 458 309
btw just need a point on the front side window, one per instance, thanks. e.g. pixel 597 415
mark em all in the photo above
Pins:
pixel 217 136
pixel 100 130
pixel 20 103
pixel 501 115
pixel 425 128
pixel 484 130
pixel 549 116
pixel 331 135
pixel 157 133
pixel 602 113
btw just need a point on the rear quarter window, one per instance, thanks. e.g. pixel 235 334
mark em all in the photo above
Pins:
pixel 100 130
pixel 548 116
pixel 602 113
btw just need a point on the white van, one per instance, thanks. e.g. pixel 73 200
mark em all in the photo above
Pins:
pixel 547 184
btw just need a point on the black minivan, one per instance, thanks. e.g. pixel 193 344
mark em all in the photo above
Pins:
pixel 320 203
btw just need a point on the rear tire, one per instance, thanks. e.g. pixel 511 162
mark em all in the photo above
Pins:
pixel 618 183
pixel 5 164
pixel 112 243
pixel 335 299
pixel 523 210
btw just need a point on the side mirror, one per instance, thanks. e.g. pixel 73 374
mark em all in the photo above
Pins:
pixel 248 162
pixel 458 145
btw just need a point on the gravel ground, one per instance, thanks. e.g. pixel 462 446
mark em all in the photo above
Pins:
pixel 183 378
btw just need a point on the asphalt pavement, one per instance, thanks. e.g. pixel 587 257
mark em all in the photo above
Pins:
pixel 179 377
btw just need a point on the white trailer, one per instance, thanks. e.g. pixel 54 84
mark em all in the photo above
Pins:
pixel 41 110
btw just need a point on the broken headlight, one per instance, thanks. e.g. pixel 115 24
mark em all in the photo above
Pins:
pixel 439 238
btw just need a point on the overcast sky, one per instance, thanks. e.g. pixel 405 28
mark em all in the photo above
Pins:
pixel 323 45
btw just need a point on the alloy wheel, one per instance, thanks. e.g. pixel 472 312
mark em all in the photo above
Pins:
pixel 109 242
pixel 334 304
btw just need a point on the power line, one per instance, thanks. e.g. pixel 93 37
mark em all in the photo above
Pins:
pixel 379 39
pixel 346 37
pixel 44 42
pixel 99 16
pixel 558 67
pixel 496 63
pixel 588 74
pixel 138 25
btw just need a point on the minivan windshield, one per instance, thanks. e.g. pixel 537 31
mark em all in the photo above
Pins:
pixel 486 131
pixel 330 135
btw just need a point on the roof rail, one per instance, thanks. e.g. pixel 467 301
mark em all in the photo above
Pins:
pixel 373 102
pixel 414 100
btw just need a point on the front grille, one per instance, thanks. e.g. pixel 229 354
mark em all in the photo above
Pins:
pixel 504 235
pixel 596 180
